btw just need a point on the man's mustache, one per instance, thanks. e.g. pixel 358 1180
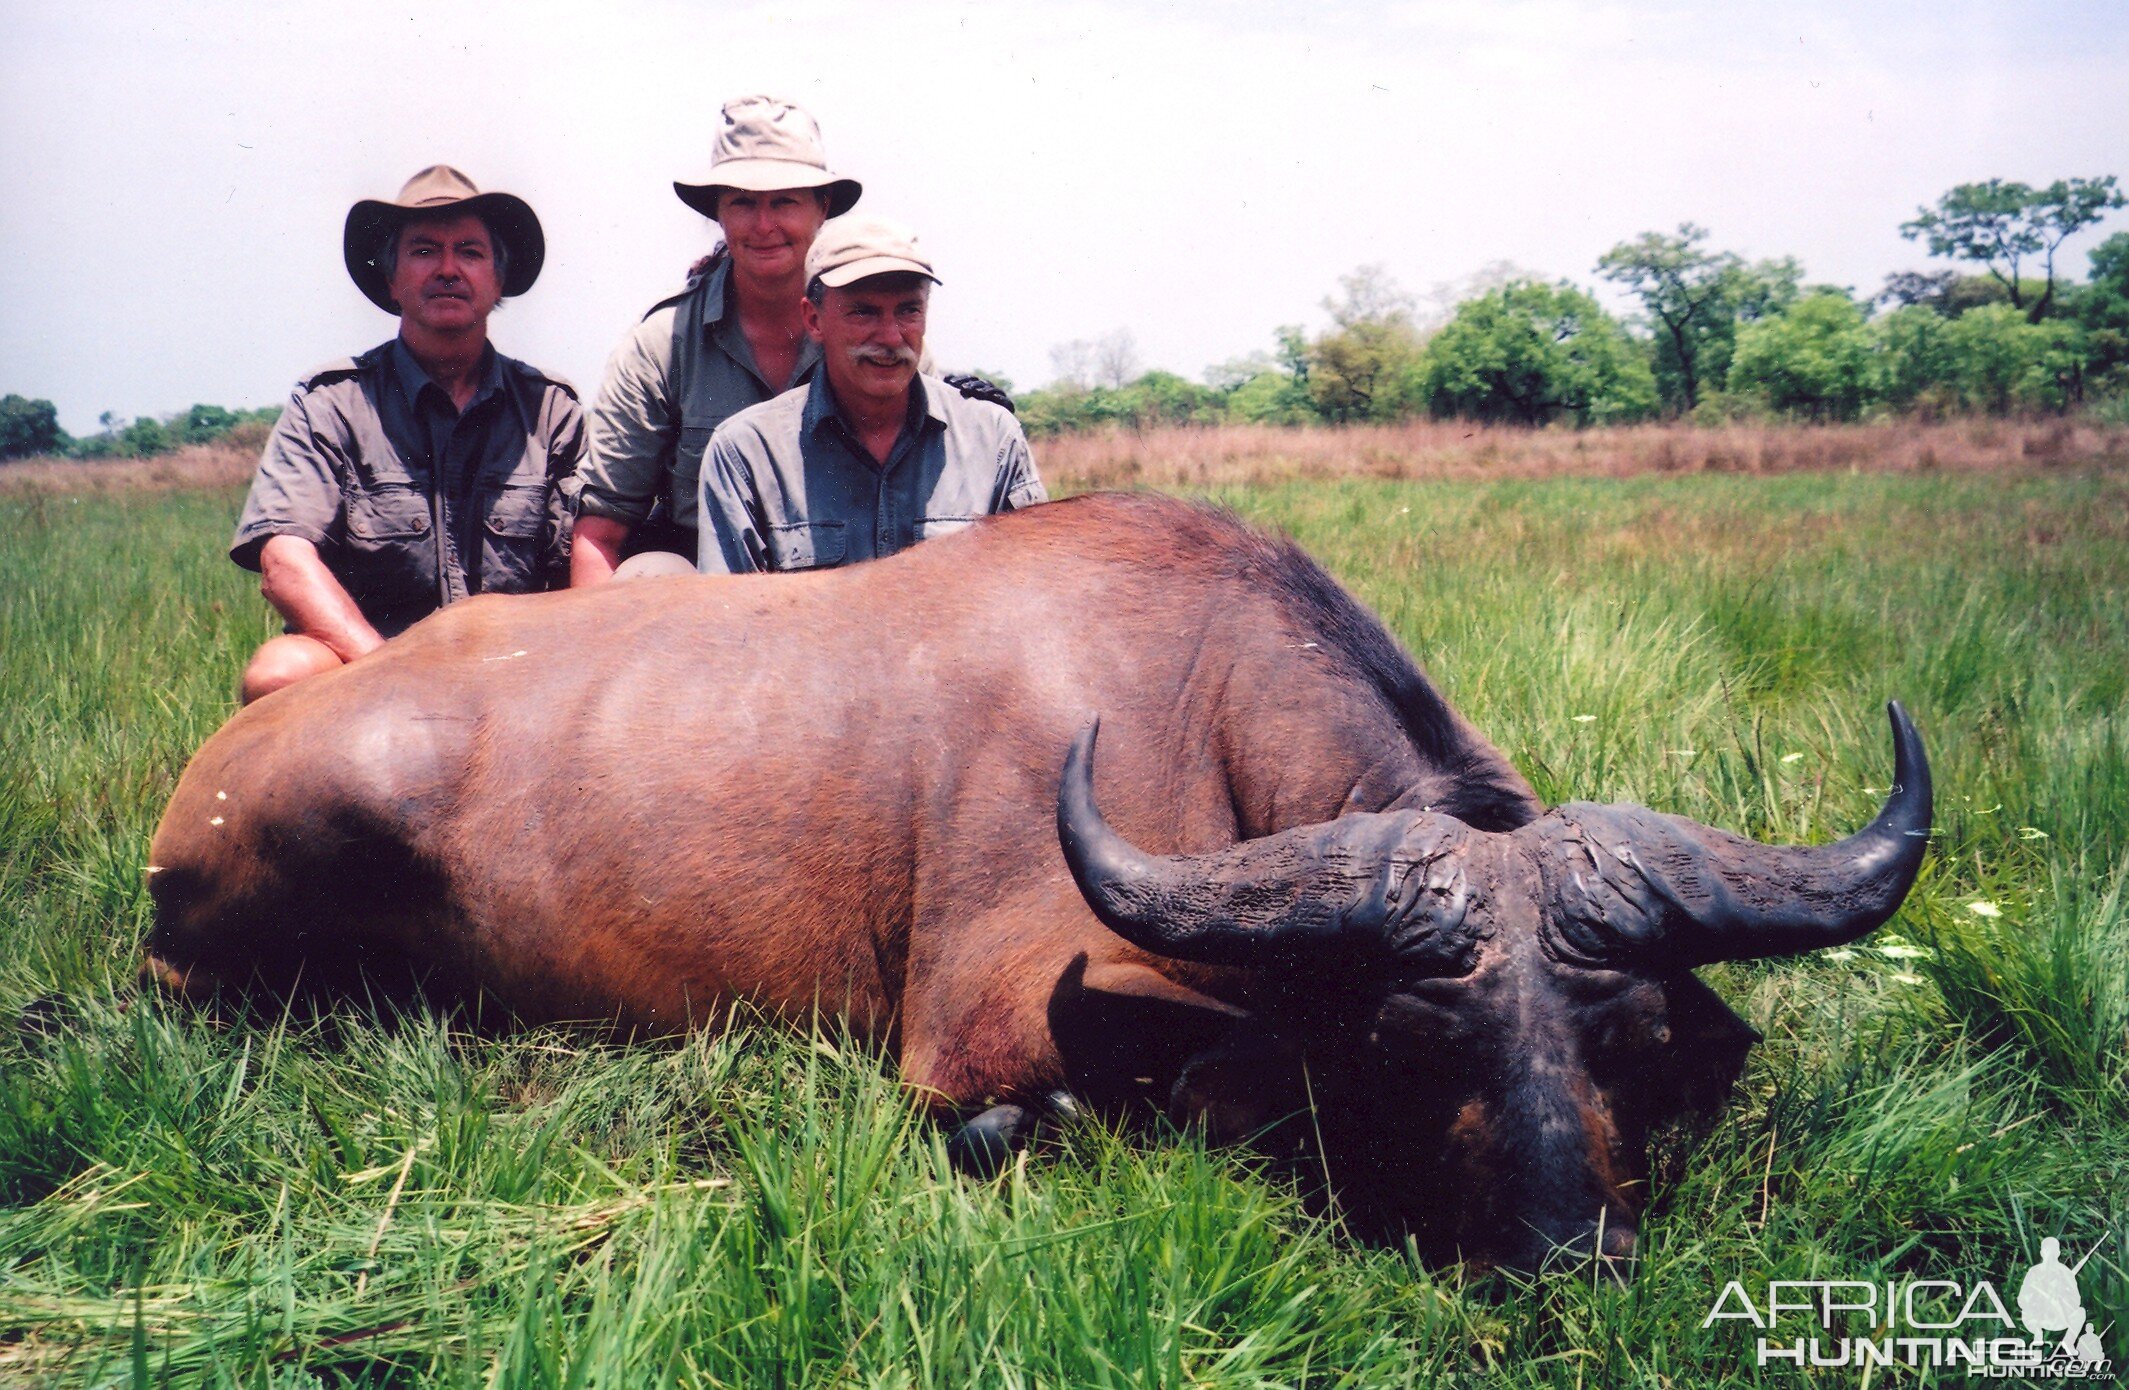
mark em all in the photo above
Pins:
pixel 883 357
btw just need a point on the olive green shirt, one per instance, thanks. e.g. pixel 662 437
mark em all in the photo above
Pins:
pixel 789 487
pixel 412 502
pixel 674 379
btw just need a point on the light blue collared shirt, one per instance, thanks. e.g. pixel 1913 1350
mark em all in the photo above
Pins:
pixel 788 487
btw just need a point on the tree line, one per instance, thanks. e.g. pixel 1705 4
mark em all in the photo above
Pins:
pixel 1716 337
pixel 30 427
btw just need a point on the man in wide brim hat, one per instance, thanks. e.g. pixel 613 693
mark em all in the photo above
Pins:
pixel 439 191
pixel 427 469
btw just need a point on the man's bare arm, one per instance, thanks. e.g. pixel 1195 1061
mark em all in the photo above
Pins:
pixel 596 549
pixel 296 582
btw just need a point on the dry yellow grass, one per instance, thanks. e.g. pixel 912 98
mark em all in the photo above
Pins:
pixel 196 466
pixel 1185 456
pixel 1450 449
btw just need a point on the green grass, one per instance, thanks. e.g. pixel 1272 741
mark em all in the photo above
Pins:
pixel 357 1200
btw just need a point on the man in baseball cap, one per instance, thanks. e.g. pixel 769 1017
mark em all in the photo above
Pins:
pixel 870 456
pixel 430 467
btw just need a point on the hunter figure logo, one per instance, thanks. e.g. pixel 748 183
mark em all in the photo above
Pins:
pixel 2048 1302
pixel 1940 1324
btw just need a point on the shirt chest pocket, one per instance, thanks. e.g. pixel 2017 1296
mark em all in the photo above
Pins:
pixel 388 562
pixel 517 512
pixel 806 545
pixel 386 512
pixel 514 558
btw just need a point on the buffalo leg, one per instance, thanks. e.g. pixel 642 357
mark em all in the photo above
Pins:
pixel 1126 1032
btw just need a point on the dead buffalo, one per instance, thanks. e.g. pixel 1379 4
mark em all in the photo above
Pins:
pixel 842 790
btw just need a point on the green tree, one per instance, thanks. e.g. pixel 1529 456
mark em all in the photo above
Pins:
pixel 1695 299
pixel 1912 353
pixel 204 423
pixel 29 427
pixel 1261 389
pixel 2101 308
pixel 1163 398
pixel 1812 358
pixel 1293 352
pixel 2001 224
pixel 1363 368
pixel 2002 361
pixel 1271 398
pixel 145 438
pixel 1679 283
pixel 1530 353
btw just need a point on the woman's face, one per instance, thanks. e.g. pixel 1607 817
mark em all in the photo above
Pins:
pixel 769 234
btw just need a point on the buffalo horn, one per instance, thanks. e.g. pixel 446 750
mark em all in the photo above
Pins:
pixel 1359 888
pixel 1634 887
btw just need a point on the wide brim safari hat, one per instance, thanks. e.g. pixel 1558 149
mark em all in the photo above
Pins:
pixel 763 144
pixel 441 190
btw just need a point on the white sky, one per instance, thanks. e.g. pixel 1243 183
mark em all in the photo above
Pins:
pixel 175 176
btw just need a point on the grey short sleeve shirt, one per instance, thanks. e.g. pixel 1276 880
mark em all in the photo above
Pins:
pixel 412 503
pixel 787 487
pixel 674 379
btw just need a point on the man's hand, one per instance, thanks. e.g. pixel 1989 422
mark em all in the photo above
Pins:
pixel 977 389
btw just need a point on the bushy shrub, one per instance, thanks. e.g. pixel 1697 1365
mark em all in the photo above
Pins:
pixel 29 427
pixel 1812 358
pixel 1912 355
pixel 2000 362
pixel 1530 353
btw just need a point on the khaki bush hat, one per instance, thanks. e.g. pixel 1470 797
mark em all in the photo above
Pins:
pixel 850 249
pixel 441 189
pixel 763 144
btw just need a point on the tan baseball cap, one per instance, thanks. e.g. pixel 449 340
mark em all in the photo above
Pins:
pixel 850 249
pixel 763 144
pixel 437 191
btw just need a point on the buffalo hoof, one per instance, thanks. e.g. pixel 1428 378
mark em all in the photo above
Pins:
pixel 982 1147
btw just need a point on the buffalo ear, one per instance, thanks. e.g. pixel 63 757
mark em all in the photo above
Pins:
pixel 1708 1047
pixel 1124 1031
pixel 1241 1086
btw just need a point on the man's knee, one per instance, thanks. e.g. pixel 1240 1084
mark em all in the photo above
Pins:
pixel 283 661
pixel 654 564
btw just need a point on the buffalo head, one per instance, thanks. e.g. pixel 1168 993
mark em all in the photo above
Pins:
pixel 1492 1022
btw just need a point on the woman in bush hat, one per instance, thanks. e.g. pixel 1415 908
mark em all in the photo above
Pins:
pixel 731 338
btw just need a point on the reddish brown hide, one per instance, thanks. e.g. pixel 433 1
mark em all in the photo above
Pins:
pixel 840 790
pixel 641 801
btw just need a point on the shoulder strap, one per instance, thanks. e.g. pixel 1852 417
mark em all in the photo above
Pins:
pixel 340 369
pixel 539 378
